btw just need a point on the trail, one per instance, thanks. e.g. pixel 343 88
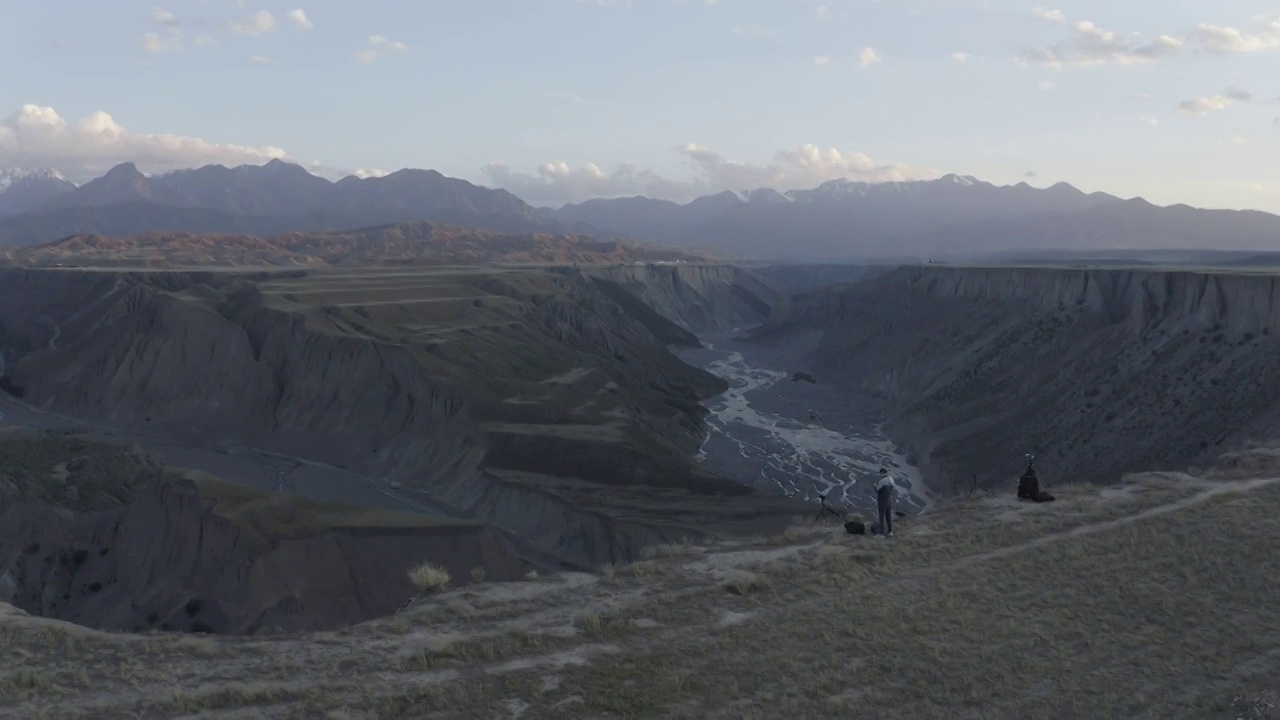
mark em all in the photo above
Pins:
pixel 1235 486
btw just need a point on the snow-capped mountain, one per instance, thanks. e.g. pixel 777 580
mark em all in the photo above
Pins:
pixel 22 189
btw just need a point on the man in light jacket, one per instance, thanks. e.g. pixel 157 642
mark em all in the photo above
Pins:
pixel 885 489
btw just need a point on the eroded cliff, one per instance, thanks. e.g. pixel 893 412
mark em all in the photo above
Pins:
pixel 698 297
pixel 1101 372
pixel 108 538
pixel 527 398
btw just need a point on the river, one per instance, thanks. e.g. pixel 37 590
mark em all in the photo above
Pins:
pixel 802 438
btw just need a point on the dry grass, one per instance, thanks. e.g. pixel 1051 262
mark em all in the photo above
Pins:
pixel 986 608
pixel 429 577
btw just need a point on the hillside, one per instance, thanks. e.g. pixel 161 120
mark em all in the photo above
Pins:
pixel 80 523
pixel 409 243
pixel 983 608
pixel 1101 372
pixel 528 398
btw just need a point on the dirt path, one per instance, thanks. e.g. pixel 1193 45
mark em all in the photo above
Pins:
pixel 1214 491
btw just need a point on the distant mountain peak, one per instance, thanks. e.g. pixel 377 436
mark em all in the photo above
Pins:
pixel 122 171
pixel 13 176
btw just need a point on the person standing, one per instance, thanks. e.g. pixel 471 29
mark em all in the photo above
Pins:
pixel 884 502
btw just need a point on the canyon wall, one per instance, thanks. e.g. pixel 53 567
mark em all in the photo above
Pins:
pixel 1100 372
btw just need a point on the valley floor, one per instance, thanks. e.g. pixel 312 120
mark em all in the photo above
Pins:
pixel 1152 599
pixel 801 438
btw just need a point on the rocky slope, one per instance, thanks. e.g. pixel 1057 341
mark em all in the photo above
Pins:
pixel 698 297
pixel 1099 371
pixel 108 538
pixel 529 399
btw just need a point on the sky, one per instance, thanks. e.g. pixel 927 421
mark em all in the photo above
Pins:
pixel 563 100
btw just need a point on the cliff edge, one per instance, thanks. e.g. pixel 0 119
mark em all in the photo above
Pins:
pixel 1101 372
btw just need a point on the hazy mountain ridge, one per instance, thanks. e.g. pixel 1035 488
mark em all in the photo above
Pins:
pixel 270 199
pixel 952 217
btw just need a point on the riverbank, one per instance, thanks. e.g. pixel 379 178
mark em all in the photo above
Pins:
pixel 778 431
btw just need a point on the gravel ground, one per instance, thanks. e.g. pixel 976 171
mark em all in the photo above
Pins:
pixel 800 437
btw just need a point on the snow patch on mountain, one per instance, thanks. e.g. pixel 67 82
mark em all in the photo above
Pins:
pixel 13 176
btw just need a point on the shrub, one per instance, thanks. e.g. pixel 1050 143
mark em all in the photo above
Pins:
pixel 429 577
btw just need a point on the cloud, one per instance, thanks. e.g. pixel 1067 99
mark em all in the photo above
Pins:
pixel 1231 41
pixel 261 60
pixel 821 60
pixel 869 57
pixel 363 173
pixel 157 44
pixel 380 47
pixel 1091 45
pixel 607 2
pixel 807 166
pixel 753 31
pixel 257 24
pixel 204 40
pixel 36 136
pixel 1150 121
pixel 961 57
pixel 1030 174
pixel 1045 85
pixel 1213 103
pixel 823 11
pixel 299 18
pixel 163 17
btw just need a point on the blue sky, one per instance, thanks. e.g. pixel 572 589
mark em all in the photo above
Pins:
pixel 559 100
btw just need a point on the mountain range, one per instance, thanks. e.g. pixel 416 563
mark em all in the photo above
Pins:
pixel 951 217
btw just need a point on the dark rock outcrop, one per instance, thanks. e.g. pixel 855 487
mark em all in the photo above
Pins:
pixel 169 560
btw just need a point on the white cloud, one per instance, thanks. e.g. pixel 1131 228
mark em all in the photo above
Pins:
pixel 255 25
pixel 156 44
pixel 869 57
pixel 607 2
pixel 823 11
pixel 1150 121
pixel 1045 85
pixel 369 173
pixel 753 31
pixel 1231 41
pixel 36 136
pixel 821 60
pixel 204 40
pixel 1213 103
pixel 164 17
pixel 961 57
pixel 557 183
pixel 380 47
pixel 299 18
pixel 1091 45
pixel 261 60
